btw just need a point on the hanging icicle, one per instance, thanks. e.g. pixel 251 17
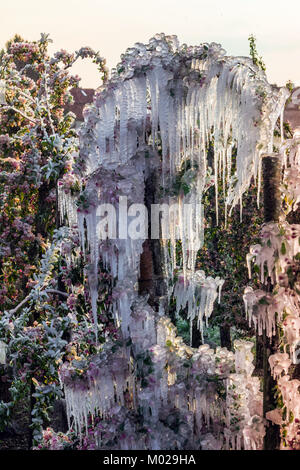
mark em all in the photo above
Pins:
pixel 198 293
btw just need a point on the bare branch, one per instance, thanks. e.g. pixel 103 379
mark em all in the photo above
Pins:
pixel 20 112
pixel 58 292
pixel 14 310
pixel 49 291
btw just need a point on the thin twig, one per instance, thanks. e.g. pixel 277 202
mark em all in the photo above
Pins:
pixel 14 310
pixel 47 103
pixel 58 292
pixel 49 291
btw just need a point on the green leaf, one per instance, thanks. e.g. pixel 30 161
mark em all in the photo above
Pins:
pixel 263 301
pixel 185 188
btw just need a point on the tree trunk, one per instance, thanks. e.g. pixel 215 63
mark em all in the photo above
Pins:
pixel 271 166
pixel 225 336
pixel 151 279
pixel 272 437
pixel 259 359
pixel 196 336
pixel 32 403
pixel 272 207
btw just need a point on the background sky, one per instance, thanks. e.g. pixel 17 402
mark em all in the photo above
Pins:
pixel 111 26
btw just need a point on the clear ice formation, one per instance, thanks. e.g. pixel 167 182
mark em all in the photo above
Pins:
pixel 160 110
pixel 171 100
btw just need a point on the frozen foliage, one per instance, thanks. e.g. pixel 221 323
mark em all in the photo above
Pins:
pixel 262 308
pixel 279 363
pixel 275 257
pixel 105 382
pixel 288 416
pixel 290 153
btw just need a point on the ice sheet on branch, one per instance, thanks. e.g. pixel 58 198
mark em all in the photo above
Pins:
pixel 264 310
pixel 105 381
pixel 288 416
pixel 103 205
pixel 290 155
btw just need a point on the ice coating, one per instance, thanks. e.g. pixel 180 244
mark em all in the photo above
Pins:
pixel 107 377
pixel 177 99
pixel 116 188
pixel 261 308
pixel 280 243
pixel 183 97
pixel 180 379
pixel 162 107
pixel 276 256
pixel 290 155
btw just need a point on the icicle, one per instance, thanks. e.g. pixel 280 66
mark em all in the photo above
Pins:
pixel 281 126
pixel 198 293
pixel 2 352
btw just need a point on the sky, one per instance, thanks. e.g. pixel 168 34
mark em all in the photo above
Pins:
pixel 110 26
